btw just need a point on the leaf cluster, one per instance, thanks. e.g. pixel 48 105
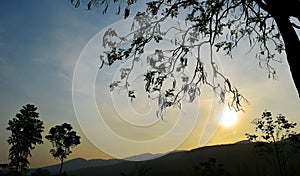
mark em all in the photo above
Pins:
pixel 26 129
pixel 104 4
pixel 219 24
pixel 275 136
pixel 272 129
pixel 147 28
pixel 63 138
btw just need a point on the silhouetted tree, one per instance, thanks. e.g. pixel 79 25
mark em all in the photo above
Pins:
pixel 210 168
pixel 275 136
pixel 269 27
pixel 63 138
pixel 26 129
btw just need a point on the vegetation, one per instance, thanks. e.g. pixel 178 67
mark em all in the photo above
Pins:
pixel 210 168
pixel 140 170
pixel 26 132
pixel 275 136
pixel 41 172
pixel 217 24
pixel 63 138
pixel 269 28
pixel 26 129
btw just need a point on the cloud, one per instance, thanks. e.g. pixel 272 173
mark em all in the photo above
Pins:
pixel 7 69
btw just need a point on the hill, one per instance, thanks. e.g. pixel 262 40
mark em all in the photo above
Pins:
pixel 239 159
pixel 80 163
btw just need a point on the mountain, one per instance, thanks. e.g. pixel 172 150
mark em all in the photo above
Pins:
pixel 80 163
pixel 240 158
pixel 143 157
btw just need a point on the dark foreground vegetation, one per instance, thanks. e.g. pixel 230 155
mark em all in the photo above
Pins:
pixel 239 159
pixel 273 150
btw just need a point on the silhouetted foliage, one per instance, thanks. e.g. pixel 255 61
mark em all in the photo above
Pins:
pixel 4 169
pixel 140 170
pixel 26 129
pixel 41 172
pixel 63 138
pixel 210 168
pixel 276 137
pixel 218 24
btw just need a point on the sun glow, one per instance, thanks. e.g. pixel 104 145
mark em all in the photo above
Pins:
pixel 229 118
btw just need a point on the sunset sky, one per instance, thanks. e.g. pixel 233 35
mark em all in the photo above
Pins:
pixel 40 44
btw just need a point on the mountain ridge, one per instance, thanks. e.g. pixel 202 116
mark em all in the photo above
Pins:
pixel 239 158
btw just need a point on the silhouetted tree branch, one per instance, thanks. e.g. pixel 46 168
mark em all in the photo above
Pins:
pixel 218 24
pixel 276 137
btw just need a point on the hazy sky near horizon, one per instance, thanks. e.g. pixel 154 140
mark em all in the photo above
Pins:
pixel 40 44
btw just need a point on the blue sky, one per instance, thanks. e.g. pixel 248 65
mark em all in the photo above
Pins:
pixel 40 43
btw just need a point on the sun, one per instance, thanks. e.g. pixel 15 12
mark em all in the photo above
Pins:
pixel 228 118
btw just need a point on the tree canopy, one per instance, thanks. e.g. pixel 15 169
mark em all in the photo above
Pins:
pixel 26 132
pixel 268 26
pixel 63 138
pixel 275 135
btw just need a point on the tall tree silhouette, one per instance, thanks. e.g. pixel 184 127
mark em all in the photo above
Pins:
pixel 275 135
pixel 26 129
pixel 63 138
pixel 268 26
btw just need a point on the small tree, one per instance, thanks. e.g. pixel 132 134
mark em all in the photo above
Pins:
pixel 63 139
pixel 276 138
pixel 26 131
